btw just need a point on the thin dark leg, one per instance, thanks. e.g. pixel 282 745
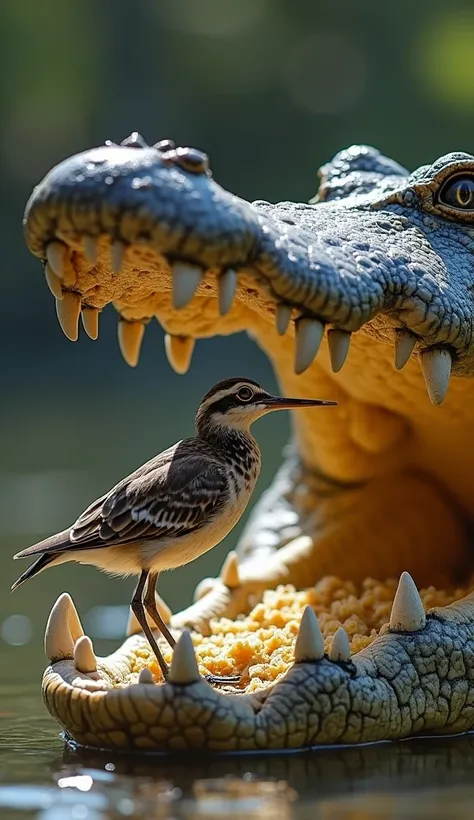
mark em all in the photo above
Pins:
pixel 139 611
pixel 149 602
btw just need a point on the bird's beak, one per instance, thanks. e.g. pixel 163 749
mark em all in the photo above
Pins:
pixel 285 403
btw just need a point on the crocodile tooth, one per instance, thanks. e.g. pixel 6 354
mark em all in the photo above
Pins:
pixel 55 257
pixel 282 319
pixel 130 336
pixel 230 571
pixel 184 668
pixel 53 282
pixel 75 626
pixel 309 333
pixel 309 644
pixel 339 342
pixel 163 609
pixel 145 676
pixel 84 656
pixel 227 284
pixel 68 309
pixel 408 613
pixel 90 248
pixel 90 321
pixel 133 627
pixel 204 586
pixel 179 352
pixel 58 641
pixel 436 368
pixel 117 253
pixel 186 278
pixel 404 344
pixel 340 647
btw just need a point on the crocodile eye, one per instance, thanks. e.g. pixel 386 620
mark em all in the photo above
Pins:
pixel 458 193
pixel 244 394
pixel 192 160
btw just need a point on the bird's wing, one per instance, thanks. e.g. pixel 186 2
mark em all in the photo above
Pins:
pixel 170 495
pixel 177 491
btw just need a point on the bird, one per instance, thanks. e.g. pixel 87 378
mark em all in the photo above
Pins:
pixel 176 506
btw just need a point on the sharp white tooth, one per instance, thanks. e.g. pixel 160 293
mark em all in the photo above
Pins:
pixel 204 586
pixel 130 336
pixel 58 641
pixel 53 282
pixel 408 613
pixel 133 627
pixel 117 253
pixel 230 571
pixel 309 644
pixel 163 609
pixel 179 352
pixel 55 256
pixel 309 333
pixel 436 368
pixel 75 626
pixel 404 344
pixel 90 321
pixel 68 309
pixel 184 668
pixel 340 647
pixel 84 656
pixel 282 318
pixel 145 676
pixel 227 284
pixel 90 248
pixel 185 279
pixel 339 342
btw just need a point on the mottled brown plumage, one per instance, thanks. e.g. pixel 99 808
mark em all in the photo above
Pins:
pixel 175 507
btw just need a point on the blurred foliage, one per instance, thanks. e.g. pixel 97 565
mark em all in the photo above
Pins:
pixel 271 89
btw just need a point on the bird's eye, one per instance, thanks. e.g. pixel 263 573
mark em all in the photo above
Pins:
pixel 244 394
pixel 458 193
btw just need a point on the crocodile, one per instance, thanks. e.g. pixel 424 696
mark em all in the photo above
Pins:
pixel 364 295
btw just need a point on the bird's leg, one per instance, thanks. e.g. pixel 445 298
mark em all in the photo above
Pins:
pixel 138 610
pixel 149 602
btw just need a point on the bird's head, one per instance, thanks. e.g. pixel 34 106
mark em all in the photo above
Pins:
pixel 237 403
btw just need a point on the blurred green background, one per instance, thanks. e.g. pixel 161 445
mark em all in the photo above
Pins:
pixel 270 89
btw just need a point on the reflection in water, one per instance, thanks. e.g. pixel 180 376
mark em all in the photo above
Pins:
pixel 40 777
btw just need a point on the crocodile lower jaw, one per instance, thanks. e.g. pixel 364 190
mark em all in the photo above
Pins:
pixel 415 677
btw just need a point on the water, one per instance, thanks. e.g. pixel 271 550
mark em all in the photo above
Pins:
pixel 40 777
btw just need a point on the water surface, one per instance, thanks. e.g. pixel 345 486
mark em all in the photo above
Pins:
pixel 40 776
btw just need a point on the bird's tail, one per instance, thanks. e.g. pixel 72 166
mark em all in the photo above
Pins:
pixel 39 565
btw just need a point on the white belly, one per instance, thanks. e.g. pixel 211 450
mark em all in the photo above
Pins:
pixel 179 551
pixel 163 554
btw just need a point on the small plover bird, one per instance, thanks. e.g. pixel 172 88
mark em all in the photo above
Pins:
pixel 175 507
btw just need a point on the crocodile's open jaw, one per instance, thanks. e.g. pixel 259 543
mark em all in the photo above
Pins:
pixel 377 489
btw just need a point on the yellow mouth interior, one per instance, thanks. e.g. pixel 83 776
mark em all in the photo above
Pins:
pixel 260 645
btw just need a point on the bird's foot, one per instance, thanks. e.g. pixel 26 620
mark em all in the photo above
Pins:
pixel 223 680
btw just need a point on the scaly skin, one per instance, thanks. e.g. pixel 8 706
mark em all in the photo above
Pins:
pixel 401 685
pixel 378 486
